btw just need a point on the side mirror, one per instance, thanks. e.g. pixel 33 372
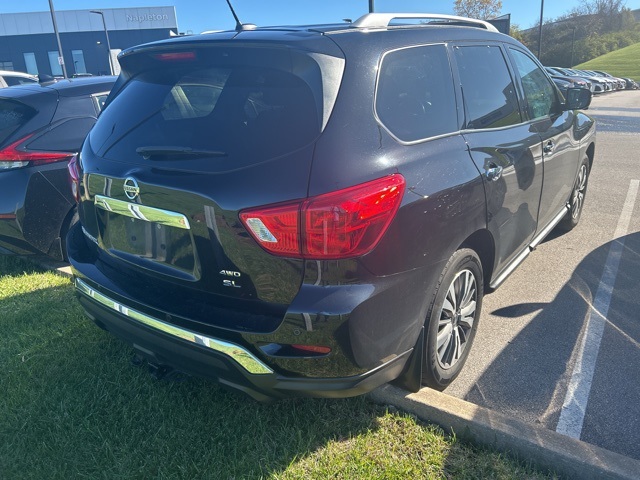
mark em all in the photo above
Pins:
pixel 577 99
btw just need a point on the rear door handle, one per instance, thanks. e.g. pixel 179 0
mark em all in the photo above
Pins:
pixel 549 146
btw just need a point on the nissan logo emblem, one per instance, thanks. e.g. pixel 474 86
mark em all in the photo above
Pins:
pixel 131 188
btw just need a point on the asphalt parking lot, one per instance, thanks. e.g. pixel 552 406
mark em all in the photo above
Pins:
pixel 558 345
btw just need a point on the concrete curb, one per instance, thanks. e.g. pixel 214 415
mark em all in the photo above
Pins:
pixel 549 450
pixel 64 271
pixel 61 268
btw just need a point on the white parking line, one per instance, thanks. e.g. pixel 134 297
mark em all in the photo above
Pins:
pixel 575 402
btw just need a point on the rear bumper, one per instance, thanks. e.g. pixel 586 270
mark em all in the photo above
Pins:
pixel 367 350
pixel 230 364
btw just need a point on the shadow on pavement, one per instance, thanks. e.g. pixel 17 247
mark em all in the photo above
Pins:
pixel 528 380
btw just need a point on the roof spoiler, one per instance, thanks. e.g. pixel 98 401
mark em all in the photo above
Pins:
pixel 382 20
pixel 43 78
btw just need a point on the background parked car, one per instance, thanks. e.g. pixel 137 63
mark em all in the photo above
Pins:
pixel 596 86
pixel 563 85
pixel 609 85
pixel 572 81
pixel 9 78
pixel 620 83
pixel 41 127
pixel 616 83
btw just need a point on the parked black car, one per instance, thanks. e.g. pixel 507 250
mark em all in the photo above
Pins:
pixel 41 127
pixel 595 85
pixel 563 85
pixel 567 81
pixel 319 210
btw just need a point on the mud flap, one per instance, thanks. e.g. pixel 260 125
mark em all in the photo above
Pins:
pixel 411 377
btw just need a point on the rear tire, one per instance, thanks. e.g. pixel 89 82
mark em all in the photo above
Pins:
pixel 452 319
pixel 576 202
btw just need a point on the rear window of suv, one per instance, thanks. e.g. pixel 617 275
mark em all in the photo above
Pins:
pixel 229 103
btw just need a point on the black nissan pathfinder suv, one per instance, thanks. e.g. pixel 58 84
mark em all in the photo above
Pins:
pixel 317 210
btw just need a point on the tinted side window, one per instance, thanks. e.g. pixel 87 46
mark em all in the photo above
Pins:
pixel 13 115
pixel 488 91
pixel 538 90
pixel 415 97
pixel 65 137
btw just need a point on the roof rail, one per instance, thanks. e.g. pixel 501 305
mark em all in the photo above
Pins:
pixel 382 20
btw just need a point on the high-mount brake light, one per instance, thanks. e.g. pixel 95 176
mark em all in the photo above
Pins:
pixel 341 224
pixel 12 157
pixel 175 56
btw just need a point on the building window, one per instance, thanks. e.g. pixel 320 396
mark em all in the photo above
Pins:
pixel 30 62
pixel 78 61
pixel 6 65
pixel 56 68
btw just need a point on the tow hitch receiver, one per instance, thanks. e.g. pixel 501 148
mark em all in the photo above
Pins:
pixel 158 371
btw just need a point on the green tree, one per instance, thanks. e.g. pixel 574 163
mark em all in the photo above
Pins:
pixel 516 32
pixel 482 9
pixel 594 28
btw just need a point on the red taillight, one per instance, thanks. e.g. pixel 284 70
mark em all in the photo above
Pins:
pixel 12 157
pixel 175 56
pixel 74 177
pixel 342 224
pixel 275 228
pixel 349 222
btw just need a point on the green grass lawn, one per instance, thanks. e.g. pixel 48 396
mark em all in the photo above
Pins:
pixel 72 406
pixel 619 63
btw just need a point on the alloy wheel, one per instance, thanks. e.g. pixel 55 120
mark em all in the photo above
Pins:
pixel 578 193
pixel 456 318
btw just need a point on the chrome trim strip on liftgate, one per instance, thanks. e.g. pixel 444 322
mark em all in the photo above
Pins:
pixel 237 353
pixel 142 212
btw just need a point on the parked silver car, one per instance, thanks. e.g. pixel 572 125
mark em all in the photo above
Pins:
pixel 9 78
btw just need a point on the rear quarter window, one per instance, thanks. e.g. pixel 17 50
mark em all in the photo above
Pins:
pixel 13 115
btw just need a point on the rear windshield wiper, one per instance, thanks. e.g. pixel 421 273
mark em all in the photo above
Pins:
pixel 169 151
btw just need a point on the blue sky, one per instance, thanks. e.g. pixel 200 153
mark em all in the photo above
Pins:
pixel 200 15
